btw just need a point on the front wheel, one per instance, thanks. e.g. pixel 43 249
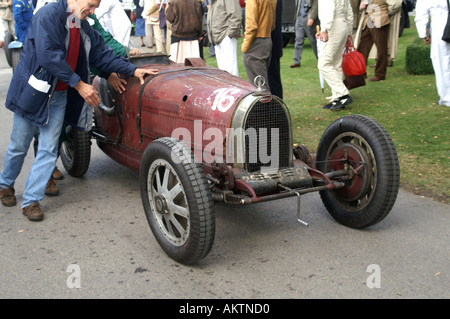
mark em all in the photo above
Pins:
pixel 359 143
pixel 177 201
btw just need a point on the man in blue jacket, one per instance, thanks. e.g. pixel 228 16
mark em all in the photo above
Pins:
pixel 23 12
pixel 50 85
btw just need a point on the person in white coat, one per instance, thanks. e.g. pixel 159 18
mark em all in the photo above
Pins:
pixel 336 26
pixel 113 19
pixel 440 50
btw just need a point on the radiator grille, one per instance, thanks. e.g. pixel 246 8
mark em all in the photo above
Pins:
pixel 259 138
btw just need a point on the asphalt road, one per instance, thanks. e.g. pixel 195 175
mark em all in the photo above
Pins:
pixel 95 243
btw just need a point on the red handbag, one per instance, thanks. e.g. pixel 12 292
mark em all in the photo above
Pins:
pixel 353 62
pixel 132 16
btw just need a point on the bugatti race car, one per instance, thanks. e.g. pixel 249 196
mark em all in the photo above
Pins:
pixel 197 135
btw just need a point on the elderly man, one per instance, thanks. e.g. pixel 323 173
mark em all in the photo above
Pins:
pixel 50 86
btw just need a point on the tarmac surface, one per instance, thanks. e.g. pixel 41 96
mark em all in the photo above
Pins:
pixel 95 243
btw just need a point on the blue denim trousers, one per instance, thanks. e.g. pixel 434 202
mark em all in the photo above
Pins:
pixel 44 163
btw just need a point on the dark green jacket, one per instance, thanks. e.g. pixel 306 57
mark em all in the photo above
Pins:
pixel 116 46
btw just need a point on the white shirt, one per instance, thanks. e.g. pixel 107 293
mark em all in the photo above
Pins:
pixel 424 9
pixel 113 19
pixel 147 4
pixel 329 10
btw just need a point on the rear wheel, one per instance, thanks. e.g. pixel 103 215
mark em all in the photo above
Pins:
pixel 9 37
pixel 362 144
pixel 177 201
pixel 15 58
pixel 75 152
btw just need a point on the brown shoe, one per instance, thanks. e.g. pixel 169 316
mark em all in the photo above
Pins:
pixel 375 79
pixel 7 197
pixel 51 189
pixel 33 212
pixel 57 174
pixel 295 65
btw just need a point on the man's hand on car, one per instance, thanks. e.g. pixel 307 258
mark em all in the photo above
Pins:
pixel 140 73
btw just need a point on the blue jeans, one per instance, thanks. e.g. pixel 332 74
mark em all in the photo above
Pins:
pixel 44 163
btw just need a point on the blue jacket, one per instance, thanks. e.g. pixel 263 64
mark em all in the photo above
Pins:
pixel 23 12
pixel 43 62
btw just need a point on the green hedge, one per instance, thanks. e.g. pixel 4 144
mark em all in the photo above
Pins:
pixel 418 59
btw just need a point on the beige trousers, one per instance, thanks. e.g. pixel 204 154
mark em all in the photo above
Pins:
pixel 155 30
pixel 330 58
pixel 168 37
pixel 149 35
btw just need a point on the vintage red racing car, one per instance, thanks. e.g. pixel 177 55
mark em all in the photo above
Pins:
pixel 197 134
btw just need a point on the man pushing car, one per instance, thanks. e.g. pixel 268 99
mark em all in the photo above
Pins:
pixel 50 86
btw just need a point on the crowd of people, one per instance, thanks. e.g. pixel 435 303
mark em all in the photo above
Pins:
pixel 180 27
pixel 371 26
pixel 42 84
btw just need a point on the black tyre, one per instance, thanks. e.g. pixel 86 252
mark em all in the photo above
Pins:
pixel 75 152
pixel 9 37
pixel 362 143
pixel 15 58
pixel 177 201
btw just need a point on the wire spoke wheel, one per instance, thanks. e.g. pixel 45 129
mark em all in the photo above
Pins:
pixel 168 202
pixel 177 200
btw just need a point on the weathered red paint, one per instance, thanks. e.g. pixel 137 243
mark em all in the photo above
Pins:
pixel 175 98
